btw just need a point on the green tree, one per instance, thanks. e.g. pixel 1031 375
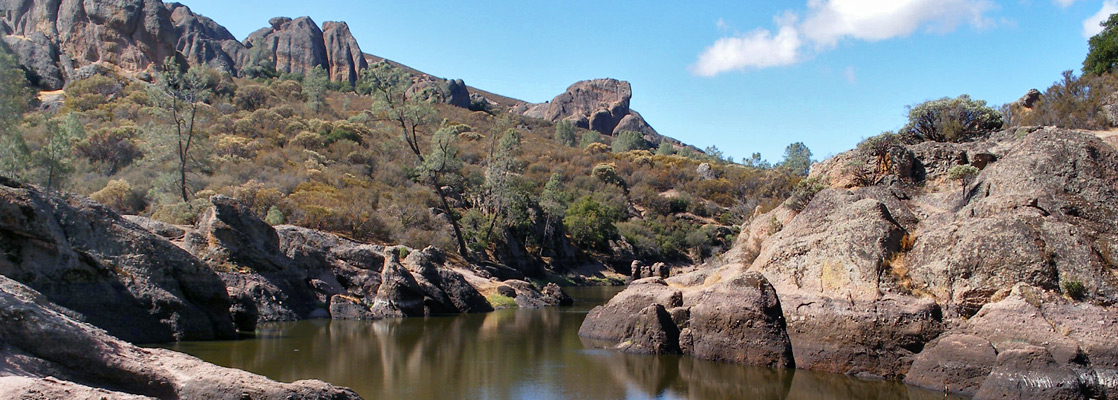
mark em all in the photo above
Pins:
pixel 665 149
pixel 182 94
pixel 565 133
pixel 589 138
pixel 315 84
pixel 629 140
pixel 951 120
pixel 797 158
pixel 55 158
pixel 15 95
pixel 963 174
pixel 388 85
pixel 756 161
pixel 1102 54
pixel 498 173
pixel 590 223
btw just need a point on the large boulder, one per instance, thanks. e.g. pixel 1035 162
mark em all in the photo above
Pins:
pixel 116 275
pixel 738 320
pixel 36 341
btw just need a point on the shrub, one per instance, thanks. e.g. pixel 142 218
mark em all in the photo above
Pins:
pixel 111 147
pixel 805 190
pixel 275 216
pixel 589 138
pixel 252 97
pixel 565 133
pixel 629 140
pixel 1072 102
pixel 1075 289
pixel 590 223
pixel 119 196
pixel 597 148
pixel 951 120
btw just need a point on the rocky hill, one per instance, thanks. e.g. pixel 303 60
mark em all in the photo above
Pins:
pixel 600 105
pixel 1003 286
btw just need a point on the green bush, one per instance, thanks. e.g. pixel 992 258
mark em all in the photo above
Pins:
pixel 1075 289
pixel 951 120
pixel 565 133
pixel 1102 55
pixel 629 140
pixel 590 223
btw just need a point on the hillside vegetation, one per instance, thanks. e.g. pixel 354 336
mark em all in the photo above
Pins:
pixel 325 155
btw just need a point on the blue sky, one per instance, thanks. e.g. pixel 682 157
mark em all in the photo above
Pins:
pixel 747 76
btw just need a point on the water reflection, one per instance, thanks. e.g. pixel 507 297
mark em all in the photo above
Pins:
pixel 510 354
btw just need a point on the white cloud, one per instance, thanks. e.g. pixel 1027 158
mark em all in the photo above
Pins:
pixel 757 49
pixel 849 74
pixel 1064 3
pixel 830 21
pixel 1091 24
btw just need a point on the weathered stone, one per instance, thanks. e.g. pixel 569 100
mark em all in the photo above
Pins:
pixel 652 333
pixel 953 363
pixel 738 321
pixel 89 357
pixel 611 321
pixel 118 276
pixel 343 56
pixel 1026 371
pixel 296 45
pixel 345 307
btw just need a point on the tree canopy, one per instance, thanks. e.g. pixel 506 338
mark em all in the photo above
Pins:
pixel 1102 54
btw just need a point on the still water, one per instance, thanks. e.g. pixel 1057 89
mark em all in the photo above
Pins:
pixel 510 354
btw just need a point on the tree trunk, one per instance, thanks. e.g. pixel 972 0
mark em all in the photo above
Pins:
pixel 450 217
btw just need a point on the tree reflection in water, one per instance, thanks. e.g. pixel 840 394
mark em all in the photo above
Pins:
pixel 510 354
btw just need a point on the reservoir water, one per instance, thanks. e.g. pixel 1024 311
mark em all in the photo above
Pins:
pixel 511 354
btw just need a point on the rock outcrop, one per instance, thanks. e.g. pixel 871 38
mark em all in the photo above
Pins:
pixel 46 353
pixel 343 56
pixel 1000 288
pixel 110 271
pixel 739 320
pixel 60 36
pixel 296 45
pixel 600 105
pixel 53 38
pixel 291 273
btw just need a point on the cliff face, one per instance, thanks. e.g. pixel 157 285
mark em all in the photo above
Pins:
pixel 52 38
pixel 898 271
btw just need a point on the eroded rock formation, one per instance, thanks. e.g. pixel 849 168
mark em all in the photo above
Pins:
pixel 1003 287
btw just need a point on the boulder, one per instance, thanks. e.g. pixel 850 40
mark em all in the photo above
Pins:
pixel 82 358
pixel 612 321
pixel 653 332
pixel 345 307
pixel 1026 371
pixel 554 295
pixel 116 275
pixel 600 105
pixel 738 321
